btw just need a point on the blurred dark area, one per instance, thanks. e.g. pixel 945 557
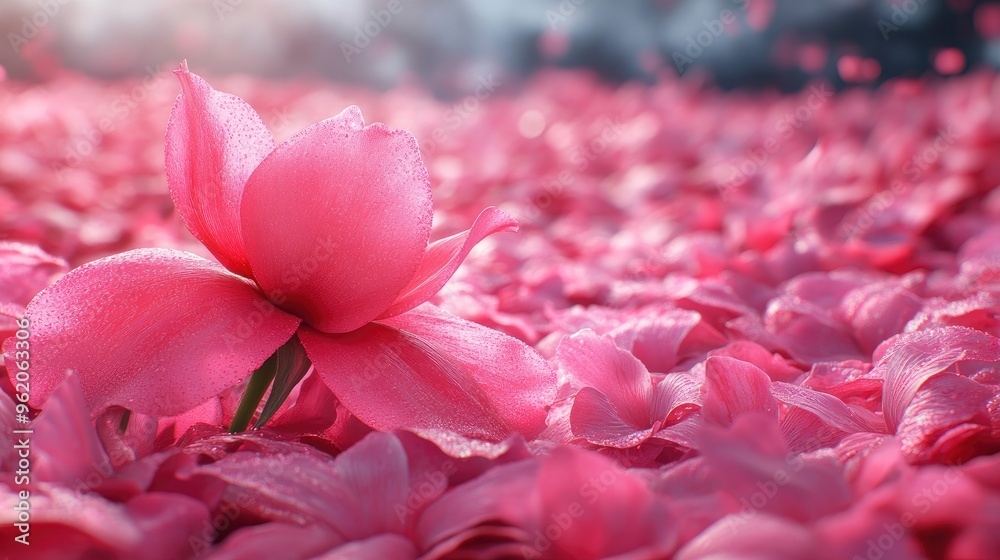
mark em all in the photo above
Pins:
pixel 447 45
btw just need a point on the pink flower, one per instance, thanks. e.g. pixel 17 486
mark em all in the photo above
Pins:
pixel 323 239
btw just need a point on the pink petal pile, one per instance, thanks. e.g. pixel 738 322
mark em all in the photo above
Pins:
pixel 729 325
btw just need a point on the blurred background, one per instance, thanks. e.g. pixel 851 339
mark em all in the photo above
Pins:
pixel 446 44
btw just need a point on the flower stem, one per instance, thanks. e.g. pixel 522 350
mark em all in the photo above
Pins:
pixel 293 365
pixel 260 380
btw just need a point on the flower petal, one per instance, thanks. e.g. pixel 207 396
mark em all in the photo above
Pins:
pixel 589 360
pixel 444 256
pixel 357 494
pixel 611 512
pixel 68 523
pixel 675 397
pixel 684 433
pixel 336 221
pixel 430 369
pixel 314 408
pixel 504 495
pixel 763 536
pixel 154 330
pixel 25 270
pixel 388 545
pixel 879 310
pixel 734 387
pixel 277 540
pixel 613 406
pixel 596 419
pixel 906 361
pixel 827 407
pixel 666 338
pixel 774 365
pixel 64 442
pixel 214 142
pixel 942 404
pixel 750 454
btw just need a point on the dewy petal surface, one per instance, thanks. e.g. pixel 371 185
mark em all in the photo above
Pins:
pixel 355 494
pixel 214 142
pixel 827 407
pixel 430 369
pixel 157 331
pixel 908 360
pixel 443 257
pixel 336 221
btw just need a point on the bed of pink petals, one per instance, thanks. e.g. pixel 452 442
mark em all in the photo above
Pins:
pixel 801 364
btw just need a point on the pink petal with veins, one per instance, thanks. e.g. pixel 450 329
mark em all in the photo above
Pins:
pixel 733 387
pixel 665 338
pixel 214 142
pixel 504 496
pixel 169 331
pixel 588 360
pixel 443 258
pixel 355 494
pixel 430 369
pixel 827 407
pixel 675 396
pixel 593 361
pixel 69 524
pixel 908 360
pixel 596 419
pixel 946 405
pixel 336 221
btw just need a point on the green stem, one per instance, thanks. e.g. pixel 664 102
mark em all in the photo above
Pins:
pixel 256 387
pixel 293 365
